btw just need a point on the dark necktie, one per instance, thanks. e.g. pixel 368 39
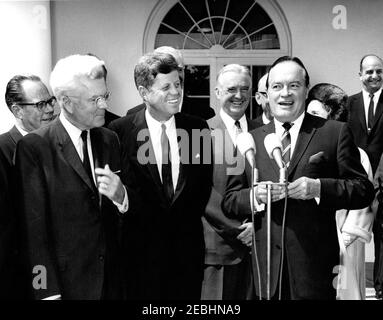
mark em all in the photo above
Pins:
pixel 238 125
pixel 371 112
pixel 86 161
pixel 166 170
pixel 286 143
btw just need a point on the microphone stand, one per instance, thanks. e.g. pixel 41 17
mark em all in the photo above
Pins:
pixel 282 182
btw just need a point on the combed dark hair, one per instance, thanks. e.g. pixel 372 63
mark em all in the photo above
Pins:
pixel 14 92
pixel 293 59
pixel 333 98
pixel 368 55
pixel 152 64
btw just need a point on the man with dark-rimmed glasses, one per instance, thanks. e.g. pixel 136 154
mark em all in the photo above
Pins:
pixel 261 98
pixel 71 194
pixel 29 100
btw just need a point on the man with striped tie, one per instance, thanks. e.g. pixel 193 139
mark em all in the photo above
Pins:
pixel 324 174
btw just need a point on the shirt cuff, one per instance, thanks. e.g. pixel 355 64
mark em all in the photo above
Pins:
pixel 258 207
pixel 317 199
pixel 55 297
pixel 124 206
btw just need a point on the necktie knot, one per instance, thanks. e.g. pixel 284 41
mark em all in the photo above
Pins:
pixel 371 95
pixel 287 126
pixel 84 135
pixel 238 125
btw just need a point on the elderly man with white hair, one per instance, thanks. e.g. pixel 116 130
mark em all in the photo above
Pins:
pixel 71 194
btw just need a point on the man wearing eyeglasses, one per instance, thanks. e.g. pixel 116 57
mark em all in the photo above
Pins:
pixel 71 194
pixel 261 98
pixel 32 106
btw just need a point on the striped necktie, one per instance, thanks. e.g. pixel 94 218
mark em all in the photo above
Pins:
pixel 286 144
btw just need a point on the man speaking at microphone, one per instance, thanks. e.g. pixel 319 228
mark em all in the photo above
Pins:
pixel 324 174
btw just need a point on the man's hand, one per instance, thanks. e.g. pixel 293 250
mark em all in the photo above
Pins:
pixel 109 184
pixel 304 188
pixel 246 236
pixel 260 191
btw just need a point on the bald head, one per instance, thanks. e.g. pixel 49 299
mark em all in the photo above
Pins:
pixel 371 69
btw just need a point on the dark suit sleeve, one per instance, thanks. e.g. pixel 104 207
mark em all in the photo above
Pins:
pixel 34 214
pixel 351 189
pixel 236 200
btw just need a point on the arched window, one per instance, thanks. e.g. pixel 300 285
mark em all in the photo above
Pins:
pixel 213 33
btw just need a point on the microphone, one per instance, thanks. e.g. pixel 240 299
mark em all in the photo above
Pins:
pixel 246 146
pixel 273 146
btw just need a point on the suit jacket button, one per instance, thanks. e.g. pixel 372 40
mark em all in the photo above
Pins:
pixel 101 257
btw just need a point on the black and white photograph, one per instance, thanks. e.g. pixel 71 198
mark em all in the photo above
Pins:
pixel 191 157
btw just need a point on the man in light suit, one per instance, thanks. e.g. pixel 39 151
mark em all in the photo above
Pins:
pixel 261 98
pixel 324 174
pixel 227 272
pixel 29 100
pixel 70 196
pixel 366 122
pixel 173 173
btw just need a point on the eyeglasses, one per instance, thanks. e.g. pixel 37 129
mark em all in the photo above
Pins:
pixel 102 98
pixel 41 104
pixel 262 93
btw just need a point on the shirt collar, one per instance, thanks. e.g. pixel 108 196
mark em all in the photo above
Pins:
pixel 155 124
pixel 230 122
pixel 264 119
pixel 295 125
pixel 366 94
pixel 21 130
pixel 73 131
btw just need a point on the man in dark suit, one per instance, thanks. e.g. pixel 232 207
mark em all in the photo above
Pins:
pixel 366 108
pixel 165 238
pixel 70 194
pixel 227 272
pixel 261 98
pixel 324 174
pixel 30 102
pixel 366 122
pixel 186 106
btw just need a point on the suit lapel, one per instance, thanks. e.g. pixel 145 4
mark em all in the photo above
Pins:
pixel 267 129
pixel 379 110
pixel 304 137
pixel 70 154
pixel 15 135
pixel 359 110
pixel 152 167
pixel 183 169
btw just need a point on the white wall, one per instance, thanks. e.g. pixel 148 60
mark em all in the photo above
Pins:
pixel 333 55
pixel 114 31
pixel 25 46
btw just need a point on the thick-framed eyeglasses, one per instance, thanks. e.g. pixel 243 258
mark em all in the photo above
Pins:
pixel 41 104
pixel 102 98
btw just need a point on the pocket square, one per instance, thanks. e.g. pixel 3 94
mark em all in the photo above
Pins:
pixel 317 158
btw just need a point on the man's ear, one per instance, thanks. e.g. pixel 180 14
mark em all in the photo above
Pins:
pixel 143 93
pixel 17 111
pixel 217 92
pixel 66 103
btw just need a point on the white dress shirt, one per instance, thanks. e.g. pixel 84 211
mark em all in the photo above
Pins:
pixel 264 119
pixel 366 102
pixel 21 130
pixel 155 132
pixel 231 127
pixel 75 135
